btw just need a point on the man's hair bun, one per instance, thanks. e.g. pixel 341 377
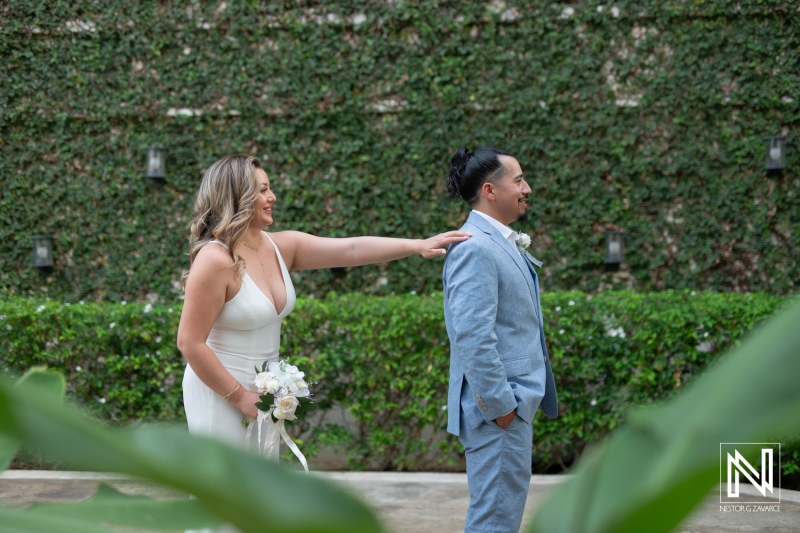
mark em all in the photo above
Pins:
pixel 470 170
pixel 458 167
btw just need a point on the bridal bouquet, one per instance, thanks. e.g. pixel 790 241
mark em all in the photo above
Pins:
pixel 285 384
pixel 281 386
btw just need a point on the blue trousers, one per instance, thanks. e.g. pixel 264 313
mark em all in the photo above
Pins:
pixel 498 474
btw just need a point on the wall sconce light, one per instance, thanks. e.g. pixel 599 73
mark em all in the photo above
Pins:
pixel 776 156
pixel 42 254
pixel 615 250
pixel 155 165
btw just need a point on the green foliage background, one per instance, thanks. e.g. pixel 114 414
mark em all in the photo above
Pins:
pixel 386 360
pixel 645 116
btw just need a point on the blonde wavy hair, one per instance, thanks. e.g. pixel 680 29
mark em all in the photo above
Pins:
pixel 224 206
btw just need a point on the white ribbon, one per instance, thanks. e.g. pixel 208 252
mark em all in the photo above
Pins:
pixel 275 431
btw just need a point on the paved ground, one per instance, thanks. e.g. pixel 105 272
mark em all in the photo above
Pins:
pixel 406 502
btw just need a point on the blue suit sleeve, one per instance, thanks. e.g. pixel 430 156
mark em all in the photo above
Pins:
pixel 472 298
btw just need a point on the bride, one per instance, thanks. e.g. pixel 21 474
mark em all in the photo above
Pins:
pixel 238 290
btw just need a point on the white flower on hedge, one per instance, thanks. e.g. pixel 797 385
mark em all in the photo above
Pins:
pixel 285 407
pixel 561 332
pixel 40 309
pixel 123 302
pixel 523 240
pixel 102 400
pixel 706 347
pixel 111 326
pixel 616 332
pixel 558 308
pixel 571 302
pixel 78 368
pixel 8 327
pixel 593 402
pixel 148 308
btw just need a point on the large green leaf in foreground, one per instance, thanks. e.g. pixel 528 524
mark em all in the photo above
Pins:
pixel 231 485
pixel 654 470
pixel 49 383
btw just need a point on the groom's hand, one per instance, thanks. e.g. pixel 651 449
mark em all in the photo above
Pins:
pixel 505 420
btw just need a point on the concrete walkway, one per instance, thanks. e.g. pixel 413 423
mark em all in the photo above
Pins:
pixel 406 502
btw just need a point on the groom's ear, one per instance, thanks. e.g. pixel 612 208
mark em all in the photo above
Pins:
pixel 488 190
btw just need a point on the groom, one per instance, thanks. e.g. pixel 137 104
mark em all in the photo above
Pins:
pixel 499 367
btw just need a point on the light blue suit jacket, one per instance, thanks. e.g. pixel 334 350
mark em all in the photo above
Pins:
pixel 498 355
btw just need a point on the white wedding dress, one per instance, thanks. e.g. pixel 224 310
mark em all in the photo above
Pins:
pixel 246 333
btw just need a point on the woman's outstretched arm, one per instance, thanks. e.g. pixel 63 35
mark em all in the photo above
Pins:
pixel 302 251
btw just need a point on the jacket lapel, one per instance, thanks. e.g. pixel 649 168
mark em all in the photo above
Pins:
pixel 484 225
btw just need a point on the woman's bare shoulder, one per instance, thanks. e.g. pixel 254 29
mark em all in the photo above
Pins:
pixel 288 240
pixel 288 243
pixel 287 236
pixel 212 258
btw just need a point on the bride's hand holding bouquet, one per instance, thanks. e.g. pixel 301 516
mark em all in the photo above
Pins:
pixel 281 387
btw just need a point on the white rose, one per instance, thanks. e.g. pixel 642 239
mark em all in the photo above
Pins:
pixel 261 381
pixel 285 407
pixel 272 387
pixel 523 240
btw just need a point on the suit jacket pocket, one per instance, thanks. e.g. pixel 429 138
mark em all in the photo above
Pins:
pixel 516 367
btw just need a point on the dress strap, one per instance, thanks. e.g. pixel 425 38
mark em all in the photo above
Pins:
pixel 217 242
pixel 273 245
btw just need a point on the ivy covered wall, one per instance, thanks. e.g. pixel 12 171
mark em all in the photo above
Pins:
pixel 645 116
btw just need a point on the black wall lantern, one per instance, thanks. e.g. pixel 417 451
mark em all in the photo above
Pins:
pixel 42 254
pixel 776 156
pixel 155 165
pixel 615 250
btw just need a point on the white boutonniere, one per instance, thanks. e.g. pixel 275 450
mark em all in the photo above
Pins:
pixel 523 240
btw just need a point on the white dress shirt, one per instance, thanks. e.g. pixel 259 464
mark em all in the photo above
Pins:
pixel 509 234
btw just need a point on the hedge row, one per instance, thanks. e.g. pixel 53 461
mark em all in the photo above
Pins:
pixel 386 360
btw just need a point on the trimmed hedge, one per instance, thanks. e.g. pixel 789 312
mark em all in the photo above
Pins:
pixel 386 360
pixel 645 116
